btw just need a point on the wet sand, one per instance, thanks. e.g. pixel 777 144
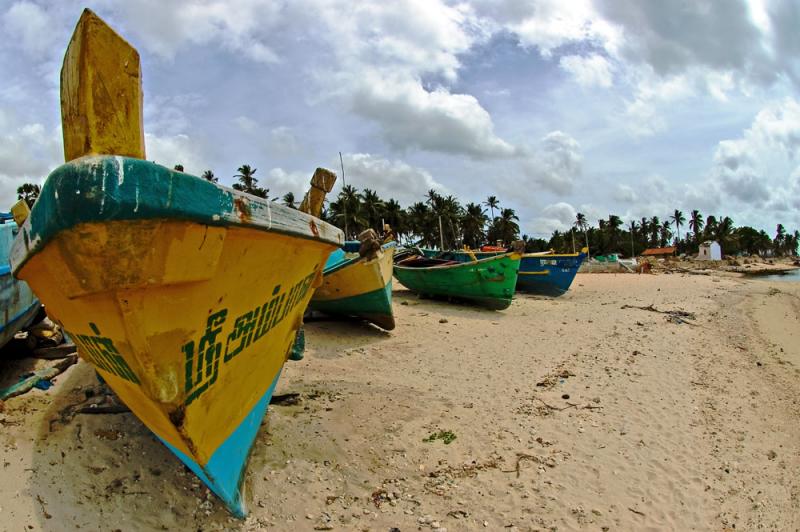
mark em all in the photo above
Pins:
pixel 568 413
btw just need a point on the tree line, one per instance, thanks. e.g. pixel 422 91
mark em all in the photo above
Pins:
pixel 441 220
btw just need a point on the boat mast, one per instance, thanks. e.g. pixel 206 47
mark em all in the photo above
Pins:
pixel 441 233
pixel 344 199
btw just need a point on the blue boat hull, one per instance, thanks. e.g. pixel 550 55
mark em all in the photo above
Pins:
pixel 18 305
pixel 545 274
pixel 550 275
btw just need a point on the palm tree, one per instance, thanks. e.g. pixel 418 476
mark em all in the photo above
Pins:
pixel 505 227
pixel 779 242
pixel 372 206
pixel 208 175
pixel 472 225
pixel 655 229
pixel 422 224
pixel 288 200
pixel 678 219
pixel 723 231
pixel 493 203
pixel 711 228
pixel 580 223
pixel 248 183
pixel 696 224
pixel 395 216
pixel 347 211
pixel 612 228
pixel 28 192
pixel 666 233
pixel 632 227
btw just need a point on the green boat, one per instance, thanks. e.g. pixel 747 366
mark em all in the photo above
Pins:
pixel 489 282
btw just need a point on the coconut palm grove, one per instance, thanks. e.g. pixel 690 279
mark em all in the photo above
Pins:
pixel 476 223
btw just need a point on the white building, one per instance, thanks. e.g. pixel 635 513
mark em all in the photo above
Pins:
pixel 710 250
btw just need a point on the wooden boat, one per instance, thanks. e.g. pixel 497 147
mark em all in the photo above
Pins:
pixel 358 286
pixel 543 273
pixel 550 274
pixel 186 296
pixel 489 282
pixel 18 304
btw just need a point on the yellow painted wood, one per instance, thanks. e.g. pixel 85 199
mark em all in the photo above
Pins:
pixel 138 292
pixel 321 183
pixel 362 277
pixel 101 93
pixel 20 211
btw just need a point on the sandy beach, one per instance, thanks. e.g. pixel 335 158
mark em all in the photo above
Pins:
pixel 556 414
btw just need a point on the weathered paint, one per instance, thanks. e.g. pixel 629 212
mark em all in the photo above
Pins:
pixel 185 296
pixel 355 286
pixel 105 188
pixel 549 274
pixel 489 282
pixel 18 305
pixel 101 93
pixel 321 183
pixel 539 273
pixel 187 310
pixel 223 473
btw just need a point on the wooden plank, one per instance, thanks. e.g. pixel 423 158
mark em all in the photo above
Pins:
pixel 101 93
pixel 321 183
pixel 20 211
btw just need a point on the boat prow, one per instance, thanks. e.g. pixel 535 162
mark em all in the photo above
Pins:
pixel 358 286
pixel 488 282
pixel 185 296
pixel 18 303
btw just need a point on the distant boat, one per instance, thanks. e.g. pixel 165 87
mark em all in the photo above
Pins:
pixel 18 305
pixel 358 286
pixel 544 273
pixel 549 274
pixel 185 296
pixel 489 282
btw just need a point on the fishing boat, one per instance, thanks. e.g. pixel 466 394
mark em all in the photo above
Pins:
pixel 18 304
pixel 544 273
pixel 358 286
pixel 550 274
pixel 489 282
pixel 186 296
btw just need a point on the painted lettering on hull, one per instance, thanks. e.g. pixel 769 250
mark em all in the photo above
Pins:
pixel 102 353
pixel 202 358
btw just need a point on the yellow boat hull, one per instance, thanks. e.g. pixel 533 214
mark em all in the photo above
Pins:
pixel 355 286
pixel 189 323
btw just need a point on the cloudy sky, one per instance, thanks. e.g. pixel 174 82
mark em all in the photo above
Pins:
pixel 608 106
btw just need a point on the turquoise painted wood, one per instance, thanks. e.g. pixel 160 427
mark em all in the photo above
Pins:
pixel 18 304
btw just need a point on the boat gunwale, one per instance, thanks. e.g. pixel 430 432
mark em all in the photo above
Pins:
pixel 101 203
pixel 349 262
pixel 511 256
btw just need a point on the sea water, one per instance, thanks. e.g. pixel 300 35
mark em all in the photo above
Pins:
pixel 793 275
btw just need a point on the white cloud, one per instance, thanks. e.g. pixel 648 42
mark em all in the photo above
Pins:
pixel 435 120
pixel 284 140
pixel 29 26
pixel 389 178
pixel 589 71
pixel 279 182
pixel 625 193
pixel 176 149
pixel 240 26
pixel 247 125
pixel 756 167
pixel 555 217
pixel 28 153
pixel 556 163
